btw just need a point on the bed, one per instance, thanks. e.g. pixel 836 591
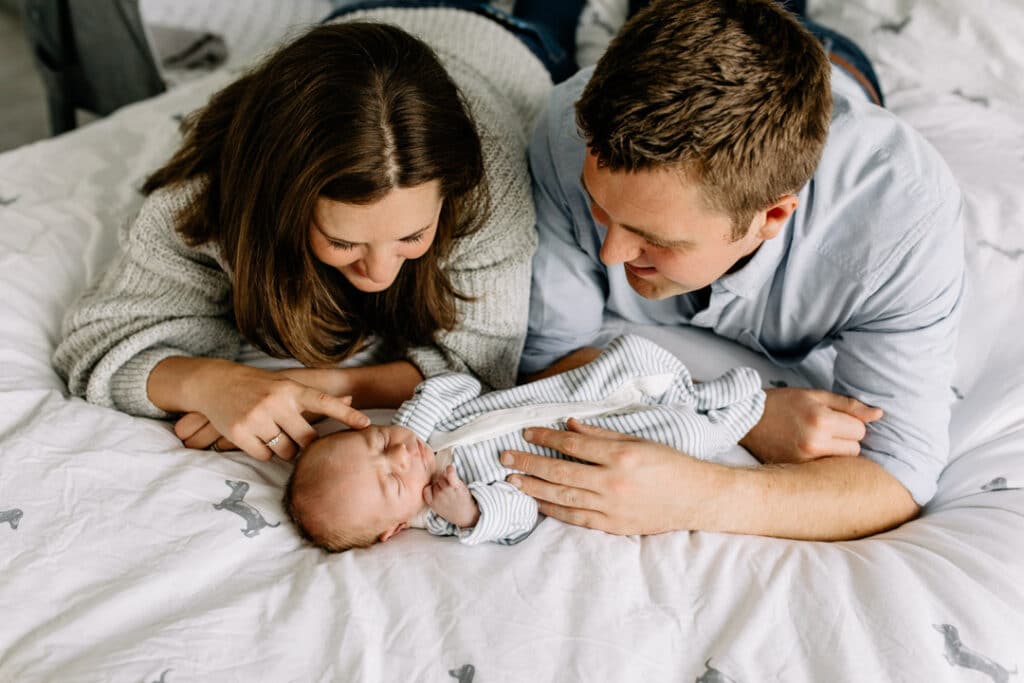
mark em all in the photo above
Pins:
pixel 126 557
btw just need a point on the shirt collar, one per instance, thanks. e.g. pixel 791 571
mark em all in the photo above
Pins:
pixel 750 280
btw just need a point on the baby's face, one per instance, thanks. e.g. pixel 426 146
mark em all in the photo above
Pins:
pixel 378 475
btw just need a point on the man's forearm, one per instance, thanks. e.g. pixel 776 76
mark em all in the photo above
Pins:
pixel 829 499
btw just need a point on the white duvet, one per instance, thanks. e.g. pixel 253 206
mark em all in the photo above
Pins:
pixel 126 557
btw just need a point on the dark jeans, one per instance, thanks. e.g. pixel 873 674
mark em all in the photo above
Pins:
pixel 553 42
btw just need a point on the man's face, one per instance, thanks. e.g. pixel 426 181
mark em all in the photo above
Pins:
pixel 659 228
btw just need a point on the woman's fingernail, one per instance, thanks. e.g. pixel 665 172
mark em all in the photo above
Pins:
pixel 506 458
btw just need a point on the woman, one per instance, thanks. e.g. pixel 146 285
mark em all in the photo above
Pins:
pixel 355 186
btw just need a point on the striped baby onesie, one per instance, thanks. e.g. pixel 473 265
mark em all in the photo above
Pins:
pixel 634 386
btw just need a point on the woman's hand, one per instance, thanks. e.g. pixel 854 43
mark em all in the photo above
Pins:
pixel 258 411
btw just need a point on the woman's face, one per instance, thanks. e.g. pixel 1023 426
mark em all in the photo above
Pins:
pixel 368 243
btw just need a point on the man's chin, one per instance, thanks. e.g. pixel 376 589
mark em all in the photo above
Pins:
pixel 654 289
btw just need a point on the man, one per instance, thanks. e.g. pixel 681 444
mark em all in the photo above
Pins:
pixel 714 170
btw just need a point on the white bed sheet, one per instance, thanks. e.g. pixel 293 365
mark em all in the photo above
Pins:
pixel 117 564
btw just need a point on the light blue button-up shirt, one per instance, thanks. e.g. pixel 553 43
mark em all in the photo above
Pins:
pixel 862 288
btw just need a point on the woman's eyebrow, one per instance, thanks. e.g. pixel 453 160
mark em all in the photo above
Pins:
pixel 320 229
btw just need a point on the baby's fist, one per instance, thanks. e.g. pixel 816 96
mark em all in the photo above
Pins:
pixel 450 498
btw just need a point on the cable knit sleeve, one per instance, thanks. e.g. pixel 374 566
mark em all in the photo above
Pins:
pixel 158 298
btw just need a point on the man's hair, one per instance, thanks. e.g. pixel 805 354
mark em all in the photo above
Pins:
pixel 734 94
pixel 301 493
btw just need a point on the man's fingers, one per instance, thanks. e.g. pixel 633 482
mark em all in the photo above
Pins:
pixel 553 470
pixel 332 406
pixel 566 496
pixel 599 432
pixel 203 438
pixel 844 426
pixel 589 519
pixel 582 446
pixel 189 424
pixel 844 447
pixel 852 406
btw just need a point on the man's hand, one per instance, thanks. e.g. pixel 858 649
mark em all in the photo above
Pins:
pixel 449 497
pixel 800 425
pixel 630 486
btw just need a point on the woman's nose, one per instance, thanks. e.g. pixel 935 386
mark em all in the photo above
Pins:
pixel 380 267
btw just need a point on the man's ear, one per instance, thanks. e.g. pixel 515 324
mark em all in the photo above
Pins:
pixel 391 531
pixel 776 215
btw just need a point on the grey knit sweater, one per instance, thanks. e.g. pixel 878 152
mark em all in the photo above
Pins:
pixel 161 298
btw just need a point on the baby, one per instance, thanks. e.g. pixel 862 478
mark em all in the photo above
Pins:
pixel 437 466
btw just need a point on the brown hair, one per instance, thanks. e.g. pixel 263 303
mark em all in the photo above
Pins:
pixel 347 112
pixel 302 491
pixel 734 94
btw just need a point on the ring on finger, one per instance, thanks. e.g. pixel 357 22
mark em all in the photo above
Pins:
pixel 215 448
pixel 276 440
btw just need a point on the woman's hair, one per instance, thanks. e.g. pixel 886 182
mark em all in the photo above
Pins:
pixel 347 112
pixel 734 94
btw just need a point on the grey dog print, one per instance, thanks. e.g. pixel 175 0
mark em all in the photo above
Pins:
pixel 958 654
pixel 712 675
pixel 464 674
pixel 254 520
pixel 12 517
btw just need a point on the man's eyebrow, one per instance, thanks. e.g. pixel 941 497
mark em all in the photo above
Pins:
pixel 320 229
pixel 656 241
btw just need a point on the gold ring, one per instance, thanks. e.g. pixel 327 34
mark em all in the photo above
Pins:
pixel 214 447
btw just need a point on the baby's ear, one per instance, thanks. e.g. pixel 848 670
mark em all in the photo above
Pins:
pixel 388 533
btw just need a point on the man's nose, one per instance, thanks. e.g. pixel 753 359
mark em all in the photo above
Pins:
pixel 619 246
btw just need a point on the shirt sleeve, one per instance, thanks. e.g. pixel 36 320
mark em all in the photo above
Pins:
pixel 569 287
pixel 507 515
pixel 159 298
pixel 899 355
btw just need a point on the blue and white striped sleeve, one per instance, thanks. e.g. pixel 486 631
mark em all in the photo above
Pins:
pixel 507 515
pixel 434 400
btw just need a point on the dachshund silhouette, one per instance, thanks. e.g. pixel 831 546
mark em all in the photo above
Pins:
pixel 464 674
pixel 254 520
pixel 12 517
pixel 997 484
pixel 958 654
pixel 712 675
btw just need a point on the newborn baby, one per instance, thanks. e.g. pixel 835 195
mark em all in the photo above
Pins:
pixel 437 466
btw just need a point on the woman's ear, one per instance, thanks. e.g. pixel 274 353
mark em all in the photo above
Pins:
pixel 391 531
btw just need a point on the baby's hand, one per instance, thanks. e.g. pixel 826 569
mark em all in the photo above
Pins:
pixel 449 497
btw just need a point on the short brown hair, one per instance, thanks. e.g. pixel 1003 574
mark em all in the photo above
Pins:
pixel 301 491
pixel 735 94
pixel 348 112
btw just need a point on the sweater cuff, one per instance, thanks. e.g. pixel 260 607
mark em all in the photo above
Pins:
pixel 128 384
pixel 429 361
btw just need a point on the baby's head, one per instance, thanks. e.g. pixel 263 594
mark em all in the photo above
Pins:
pixel 352 489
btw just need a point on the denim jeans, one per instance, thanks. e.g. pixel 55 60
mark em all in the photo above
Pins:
pixel 540 38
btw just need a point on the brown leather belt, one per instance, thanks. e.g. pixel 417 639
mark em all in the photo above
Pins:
pixel 858 76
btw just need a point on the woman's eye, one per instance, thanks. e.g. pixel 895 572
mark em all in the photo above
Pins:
pixel 341 245
pixel 418 237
